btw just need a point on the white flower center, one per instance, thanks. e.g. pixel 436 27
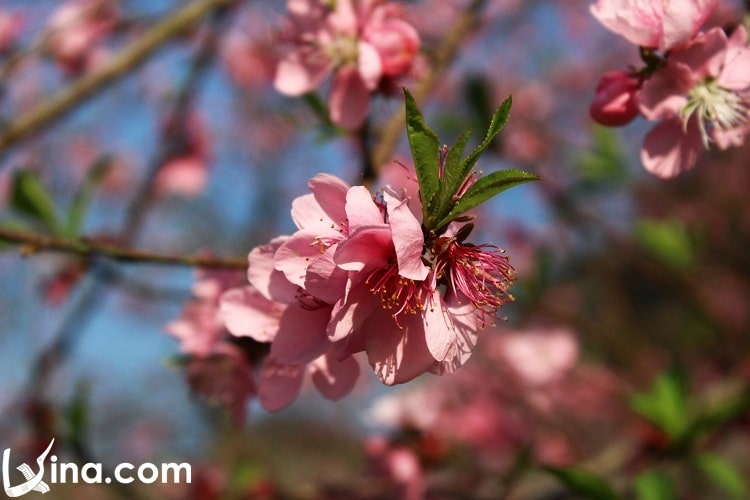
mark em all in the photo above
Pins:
pixel 343 49
pixel 716 107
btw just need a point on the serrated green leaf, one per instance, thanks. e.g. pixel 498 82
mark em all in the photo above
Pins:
pixel 665 404
pixel 485 188
pixel 425 145
pixel 584 484
pixel 85 194
pixel 499 119
pixel 724 474
pixel 653 485
pixel 29 197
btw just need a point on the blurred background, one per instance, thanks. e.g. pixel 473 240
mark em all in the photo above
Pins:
pixel 622 367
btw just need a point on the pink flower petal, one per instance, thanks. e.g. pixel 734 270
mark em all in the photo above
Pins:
pixel 664 94
pixel 396 355
pixel 307 212
pixel 344 18
pixel 247 313
pixel 366 247
pixel 361 209
pixel 279 383
pixel 407 239
pixel 704 55
pixel 333 378
pixel 668 150
pixel 330 193
pixel 302 335
pixel 261 273
pixel 349 100
pixel 683 19
pixel 296 253
pixel 369 65
pixel 350 315
pixel 300 72
pixel 324 280
pixel 466 326
pixel 735 74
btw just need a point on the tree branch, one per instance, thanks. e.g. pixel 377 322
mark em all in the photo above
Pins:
pixel 87 248
pixel 87 86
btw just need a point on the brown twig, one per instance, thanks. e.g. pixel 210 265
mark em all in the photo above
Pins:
pixel 49 111
pixel 33 243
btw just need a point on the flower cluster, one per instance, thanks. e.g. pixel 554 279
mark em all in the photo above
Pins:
pixel 362 42
pixel 695 84
pixel 358 275
pixel 389 274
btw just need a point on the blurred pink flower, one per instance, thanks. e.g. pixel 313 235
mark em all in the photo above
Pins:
pixel 396 41
pixel 659 24
pixel 199 329
pixel 185 172
pixel 539 356
pixel 215 368
pixel 10 26
pixel 225 379
pixel 358 41
pixel 615 102
pixel 249 63
pixel 701 95
pixel 75 28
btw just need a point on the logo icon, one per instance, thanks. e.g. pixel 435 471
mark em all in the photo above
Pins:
pixel 33 482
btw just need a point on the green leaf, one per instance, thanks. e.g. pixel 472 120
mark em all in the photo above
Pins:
pixel 77 413
pixel 484 189
pixel 723 474
pixel 452 179
pixel 667 240
pixel 499 119
pixel 29 197
pixel 653 485
pixel 85 194
pixel 584 484
pixel 604 165
pixel 665 404
pixel 425 146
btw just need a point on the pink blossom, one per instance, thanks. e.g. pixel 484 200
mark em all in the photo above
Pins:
pixel 616 100
pixel 358 41
pixel 394 309
pixel 248 62
pixel 10 26
pixel 185 171
pixel 360 275
pixel 276 311
pixel 659 24
pixel 75 28
pixel 539 356
pixel 216 369
pixel 701 96
pixel 199 329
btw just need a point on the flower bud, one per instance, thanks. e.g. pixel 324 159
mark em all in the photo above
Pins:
pixel 615 102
